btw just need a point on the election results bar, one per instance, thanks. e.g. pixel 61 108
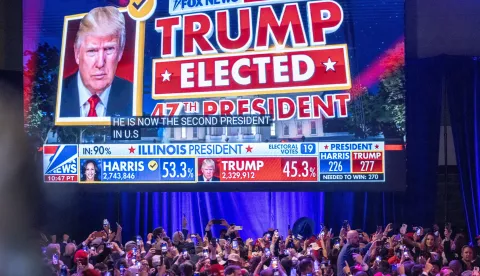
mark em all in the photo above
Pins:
pixel 225 162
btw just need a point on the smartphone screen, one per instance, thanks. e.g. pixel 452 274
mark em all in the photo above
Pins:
pixel 205 252
pixel 164 248
pixel 185 253
pixel 55 259
pixel 275 263
pixel 235 244
pixel 64 271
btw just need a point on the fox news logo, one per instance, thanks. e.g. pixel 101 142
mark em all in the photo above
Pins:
pixel 190 6
pixel 60 162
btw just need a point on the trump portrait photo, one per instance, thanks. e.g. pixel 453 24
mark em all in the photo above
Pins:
pixel 98 67
pixel 208 170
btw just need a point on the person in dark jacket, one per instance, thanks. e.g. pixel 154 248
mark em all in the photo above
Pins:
pixel 352 247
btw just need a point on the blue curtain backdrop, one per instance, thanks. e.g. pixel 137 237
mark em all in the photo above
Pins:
pixel 255 211
pixel 77 211
pixel 462 81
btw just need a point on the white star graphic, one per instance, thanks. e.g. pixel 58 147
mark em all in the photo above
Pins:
pixel 329 65
pixel 166 76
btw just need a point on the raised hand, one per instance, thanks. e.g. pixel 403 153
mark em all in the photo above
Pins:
pixel 225 223
pixel 184 222
pixel 264 258
pixel 346 269
pixel 428 266
pixel 228 248
pixel 119 227
pixel 358 258
pixel 403 229
pixel 111 236
pixel 401 269
pixel 389 228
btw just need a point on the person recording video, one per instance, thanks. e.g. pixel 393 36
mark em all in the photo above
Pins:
pixel 90 171
pixel 208 171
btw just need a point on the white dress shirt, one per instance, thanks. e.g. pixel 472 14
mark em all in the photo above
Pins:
pixel 85 94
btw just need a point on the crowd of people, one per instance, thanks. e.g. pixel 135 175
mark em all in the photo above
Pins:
pixel 388 251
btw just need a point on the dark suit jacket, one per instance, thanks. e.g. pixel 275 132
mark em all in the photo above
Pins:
pixel 346 254
pixel 202 179
pixel 120 100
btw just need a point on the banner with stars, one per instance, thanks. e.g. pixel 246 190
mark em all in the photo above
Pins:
pixel 253 73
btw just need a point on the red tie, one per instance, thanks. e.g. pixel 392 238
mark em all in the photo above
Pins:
pixel 93 101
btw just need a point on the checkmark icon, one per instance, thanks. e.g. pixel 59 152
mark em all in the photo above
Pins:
pixel 152 165
pixel 139 5
pixel 141 10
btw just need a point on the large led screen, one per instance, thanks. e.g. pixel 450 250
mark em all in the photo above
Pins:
pixel 217 94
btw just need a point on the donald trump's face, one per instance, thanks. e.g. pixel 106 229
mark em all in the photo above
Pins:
pixel 97 58
pixel 207 171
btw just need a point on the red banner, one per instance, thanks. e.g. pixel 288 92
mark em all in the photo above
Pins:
pixel 367 162
pixel 253 73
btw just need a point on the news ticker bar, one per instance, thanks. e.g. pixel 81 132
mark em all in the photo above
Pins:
pixel 232 162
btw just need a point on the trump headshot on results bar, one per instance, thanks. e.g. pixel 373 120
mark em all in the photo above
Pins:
pixel 95 90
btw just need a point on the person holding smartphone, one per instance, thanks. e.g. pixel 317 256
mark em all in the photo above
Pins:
pixel 223 232
pixel 427 247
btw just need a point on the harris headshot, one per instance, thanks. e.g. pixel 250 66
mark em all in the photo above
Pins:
pixel 96 66
pixel 208 171
pixel 90 171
